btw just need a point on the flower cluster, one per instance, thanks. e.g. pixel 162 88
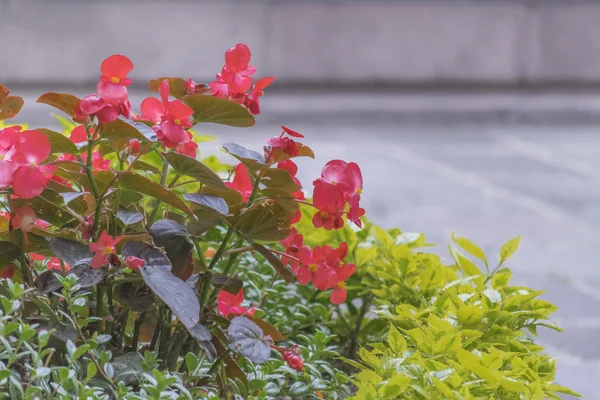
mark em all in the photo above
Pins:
pixel 340 184
pixel 321 265
pixel 235 80
pixel 22 154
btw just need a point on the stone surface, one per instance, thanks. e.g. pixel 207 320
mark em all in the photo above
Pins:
pixel 453 42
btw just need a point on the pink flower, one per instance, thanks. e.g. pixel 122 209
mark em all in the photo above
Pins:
pixel 103 249
pixel 24 219
pixel 29 179
pixel 252 102
pixel 113 82
pixel 134 263
pixel 94 105
pixel 8 138
pixel 134 147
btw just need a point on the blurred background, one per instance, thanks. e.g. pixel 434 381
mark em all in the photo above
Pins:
pixel 479 116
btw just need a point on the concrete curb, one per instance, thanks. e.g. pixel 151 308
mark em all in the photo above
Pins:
pixel 346 42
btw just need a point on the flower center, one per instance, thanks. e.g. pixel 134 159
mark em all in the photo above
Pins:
pixel 312 267
pixel 177 121
pixel 341 285
pixel 324 215
pixel 114 79
pixel 359 191
pixel 333 182
pixel 108 250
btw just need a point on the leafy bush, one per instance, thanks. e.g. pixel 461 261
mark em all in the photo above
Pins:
pixel 440 331
pixel 133 267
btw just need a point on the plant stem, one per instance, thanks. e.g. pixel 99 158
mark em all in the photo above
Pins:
pixel 174 180
pixel 99 298
pixel 178 339
pixel 95 190
pixel 163 180
pixel 354 335
pixel 25 270
pixel 136 330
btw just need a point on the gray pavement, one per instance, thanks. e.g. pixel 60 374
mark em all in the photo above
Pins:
pixel 487 181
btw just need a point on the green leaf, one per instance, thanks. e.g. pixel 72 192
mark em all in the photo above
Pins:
pixel 493 295
pixel 509 248
pixel 267 222
pixel 501 278
pixel 396 340
pixel 470 248
pixel 185 165
pixel 129 180
pixel 218 111
pixel 62 101
pixel 59 143
pixel 511 385
pixel 123 128
pixel 191 362
pixel 472 363
pixel 9 252
pixel 561 389
pixel 277 178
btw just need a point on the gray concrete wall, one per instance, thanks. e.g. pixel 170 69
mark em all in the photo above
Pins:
pixel 508 42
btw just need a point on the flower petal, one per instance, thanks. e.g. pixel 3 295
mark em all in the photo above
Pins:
pixel 112 93
pixel 29 181
pixel 33 147
pixel 117 66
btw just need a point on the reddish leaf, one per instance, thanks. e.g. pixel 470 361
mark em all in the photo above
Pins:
pixel 267 328
pixel 10 107
pixel 63 101
pixel 3 93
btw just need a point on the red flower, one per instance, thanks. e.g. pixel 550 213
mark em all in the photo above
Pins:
pixel 288 145
pixel 252 102
pixel 54 263
pixel 292 168
pixel 230 303
pixel 330 203
pixel 99 163
pixel 134 147
pixel 172 117
pixel 241 181
pixel 235 77
pixel 29 179
pixel 302 256
pixel 103 249
pixel 293 358
pixel 134 263
pixel 113 82
pixel 24 219
pixel 7 271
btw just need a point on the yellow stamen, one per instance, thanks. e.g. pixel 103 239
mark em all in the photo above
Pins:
pixel 358 191
pixel 324 215
pixel 341 285
pixel 333 182
pixel 108 250
pixel 313 267
pixel 177 121
pixel 114 79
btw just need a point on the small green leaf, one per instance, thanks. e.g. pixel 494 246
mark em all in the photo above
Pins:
pixel 509 248
pixel 189 166
pixel 218 110
pixel 470 248
pixel 41 372
pixel 396 340
pixel 473 364
pixel 59 143
pixel 9 252
pixel 493 295
pixel 277 178
pixel 191 362
pixel 123 128
pixel 176 86
pixel 129 180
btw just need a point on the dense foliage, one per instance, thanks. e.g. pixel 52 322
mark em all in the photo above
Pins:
pixel 134 267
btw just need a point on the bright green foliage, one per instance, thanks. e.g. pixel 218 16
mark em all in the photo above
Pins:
pixel 454 331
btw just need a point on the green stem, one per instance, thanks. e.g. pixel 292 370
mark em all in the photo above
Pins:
pixel 95 190
pixel 136 330
pixel 125 280
pixel 163 180
pixel 174 180
pixel 178 339
pixel 354 335
pixel 99 298
pixel 25 270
